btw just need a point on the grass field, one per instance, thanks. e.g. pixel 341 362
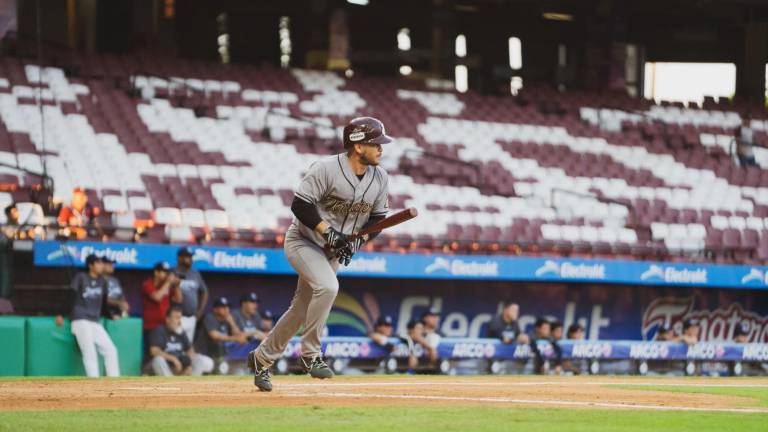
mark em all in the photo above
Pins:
pixel 386 403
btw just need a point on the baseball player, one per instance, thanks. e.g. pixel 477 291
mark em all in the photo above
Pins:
pixel 89 292
pixel 248 317
pixel 114 290
pixel 338 196
pixel 194 291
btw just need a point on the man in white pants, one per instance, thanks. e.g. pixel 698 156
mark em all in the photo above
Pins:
pixel 171 351
pixel 90 292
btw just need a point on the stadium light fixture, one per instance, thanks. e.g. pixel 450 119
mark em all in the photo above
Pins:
pixel 462 78
pixel 358 2
pixel 557 16
pixel 461 46
pixel 405 70
pixel 404 39
pixel 515 53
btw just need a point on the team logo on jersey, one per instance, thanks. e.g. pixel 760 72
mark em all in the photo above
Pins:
pixel 339 206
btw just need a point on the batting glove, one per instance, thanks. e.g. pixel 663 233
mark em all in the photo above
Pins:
pixel 334 239
pixel 346 253
pixel 356 244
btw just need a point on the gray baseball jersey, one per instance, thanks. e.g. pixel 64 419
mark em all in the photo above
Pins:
pixel 191 284
pixel 341 198
pixel 89 294
pixel 114 290
pixel 247 324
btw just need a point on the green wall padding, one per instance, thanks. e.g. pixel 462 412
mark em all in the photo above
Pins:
pixel 13 347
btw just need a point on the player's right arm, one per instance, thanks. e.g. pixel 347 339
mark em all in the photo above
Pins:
pixel 74 289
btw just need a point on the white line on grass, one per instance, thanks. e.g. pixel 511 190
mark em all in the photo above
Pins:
pixel 519 384
pixel 531 402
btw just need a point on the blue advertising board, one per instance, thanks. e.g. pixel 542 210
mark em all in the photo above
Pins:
pixel 492 349
pixel 468 291
pixel 420 266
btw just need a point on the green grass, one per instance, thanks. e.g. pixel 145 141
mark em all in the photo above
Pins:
pixel 758 394
pixel 401 419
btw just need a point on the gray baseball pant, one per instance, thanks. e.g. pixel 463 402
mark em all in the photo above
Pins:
pixel 311 303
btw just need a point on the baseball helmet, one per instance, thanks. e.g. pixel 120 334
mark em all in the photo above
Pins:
pixel 365 130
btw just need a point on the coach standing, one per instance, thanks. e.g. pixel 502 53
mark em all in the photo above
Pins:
pixel 89 291
pixel 194 292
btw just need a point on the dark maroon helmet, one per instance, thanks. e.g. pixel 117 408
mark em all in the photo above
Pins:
pixel 365 130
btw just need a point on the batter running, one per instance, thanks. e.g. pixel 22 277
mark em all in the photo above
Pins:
pixel 338 196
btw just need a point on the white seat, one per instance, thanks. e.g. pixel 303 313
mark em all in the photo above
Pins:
pixel 115 203
pixel 570 233
pixel 659 231
pixel 239 220
pixel 168 216
pixel 5 200
pixel 719 222
pixel 179 234
pixel 677 231
pixel 627 235
pixel 193 217
pixel 140 203
pixel 123 220
pixel 30 213
pixel 550 232
pixel 737 222
pixel 216 219
pixel 697 231
pixel 755 223
pixel 589 234
pixel 608 235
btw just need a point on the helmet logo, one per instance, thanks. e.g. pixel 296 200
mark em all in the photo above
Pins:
pixel 357 136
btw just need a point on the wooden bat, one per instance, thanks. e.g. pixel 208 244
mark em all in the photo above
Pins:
pixel 387 222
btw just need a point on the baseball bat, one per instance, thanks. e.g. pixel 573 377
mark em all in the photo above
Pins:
pixel 388 222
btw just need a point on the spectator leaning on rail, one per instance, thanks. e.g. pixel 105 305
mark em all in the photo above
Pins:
pixel 575 332
pixel 417 344
pixel 541 331
pixel 89 290
pixel 690 331
pixel 556 336
pixel 665 334
pixel 431 321
pixel 194 291
pixel 114 291
pixel 171 351
pixel 267 320
pixel 505 327
pixel 382 331
pixel 741 333
pixel 576 367
pixel 248 318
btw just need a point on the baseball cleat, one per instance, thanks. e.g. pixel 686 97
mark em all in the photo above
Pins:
pixel 316 367
pixel 262 378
